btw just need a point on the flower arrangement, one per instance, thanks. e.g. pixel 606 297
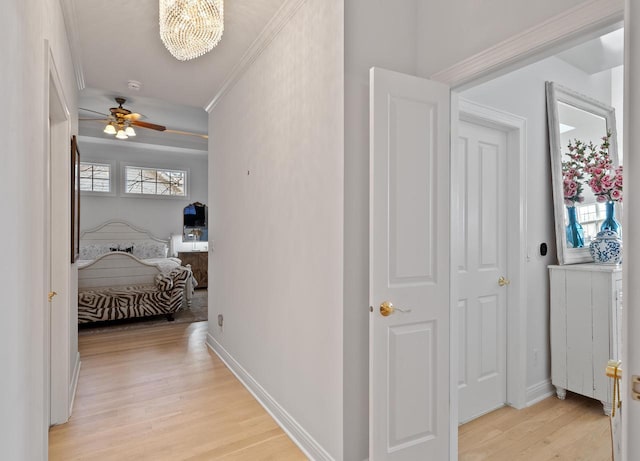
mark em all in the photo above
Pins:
pixel 589 159
pixel 572 174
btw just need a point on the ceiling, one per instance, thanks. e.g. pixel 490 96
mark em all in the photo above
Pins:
pixel 597 55
pixel 117 41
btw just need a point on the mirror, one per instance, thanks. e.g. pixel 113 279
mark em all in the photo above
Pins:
pixel 194 223
pixel 574 116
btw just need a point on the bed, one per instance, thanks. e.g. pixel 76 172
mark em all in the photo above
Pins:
pixel 124 272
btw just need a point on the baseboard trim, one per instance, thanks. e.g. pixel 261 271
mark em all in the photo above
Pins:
pixel 311 448
pixel 73 388
pixel 539 392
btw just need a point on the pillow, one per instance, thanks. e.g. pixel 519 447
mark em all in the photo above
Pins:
pixel 164 282
pixel 93 250
pixel 128 249
pixel 150 249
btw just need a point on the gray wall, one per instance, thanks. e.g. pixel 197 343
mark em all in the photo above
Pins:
pixel 276 190
pixel 24 26
pixel 160 215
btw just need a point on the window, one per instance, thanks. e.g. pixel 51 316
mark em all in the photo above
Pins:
pixel 95 177
pixel 152 181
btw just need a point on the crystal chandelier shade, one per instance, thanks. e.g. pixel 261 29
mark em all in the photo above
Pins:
pixel 191 28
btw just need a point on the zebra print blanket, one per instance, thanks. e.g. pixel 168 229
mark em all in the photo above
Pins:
pixel 165 297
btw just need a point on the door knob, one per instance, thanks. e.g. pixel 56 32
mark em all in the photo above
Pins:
pixel 503 281
pixel 51 295
pixel 386 309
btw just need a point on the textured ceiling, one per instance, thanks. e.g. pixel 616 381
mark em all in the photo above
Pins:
pixel 118 41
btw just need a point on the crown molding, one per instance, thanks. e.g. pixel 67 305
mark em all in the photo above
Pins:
pixel 132 145
pixel 588 18
pixel 71 25
pixel 270 31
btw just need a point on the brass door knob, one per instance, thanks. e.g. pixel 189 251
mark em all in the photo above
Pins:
pixel 502 281
pixel 386 309
pixel 51 295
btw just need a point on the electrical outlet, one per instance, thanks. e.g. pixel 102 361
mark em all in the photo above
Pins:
pixel 220 320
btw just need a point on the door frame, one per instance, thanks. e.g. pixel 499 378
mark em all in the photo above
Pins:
pixel 516 218
pixel 560 32
pixel 58 229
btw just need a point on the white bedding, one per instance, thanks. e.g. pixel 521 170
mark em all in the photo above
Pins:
pixel 164 264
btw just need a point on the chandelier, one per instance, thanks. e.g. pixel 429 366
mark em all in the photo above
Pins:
pixel 191 28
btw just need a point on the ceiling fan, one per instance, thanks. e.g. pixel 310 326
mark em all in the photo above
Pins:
pixel 120 122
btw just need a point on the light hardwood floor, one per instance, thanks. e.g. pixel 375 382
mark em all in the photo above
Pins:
pixel 159 394
pixel 570 430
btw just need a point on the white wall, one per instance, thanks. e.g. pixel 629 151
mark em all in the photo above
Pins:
pixel 25 24
pixel 276 195
pixel 162 216
pixel 384 36
pixel 523 93
pixel 453 30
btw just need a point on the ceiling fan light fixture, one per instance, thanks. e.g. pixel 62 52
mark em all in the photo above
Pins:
pixel 129 131
pixel 121 135
pixel 191 28
pixel 110 129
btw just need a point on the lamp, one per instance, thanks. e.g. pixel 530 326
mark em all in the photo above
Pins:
pixel 191 28
pixel 110 129
pixel 122 129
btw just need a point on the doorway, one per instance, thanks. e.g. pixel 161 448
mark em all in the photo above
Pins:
pixel 522 92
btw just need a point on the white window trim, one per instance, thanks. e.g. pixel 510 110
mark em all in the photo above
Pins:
pixel 123 181
pixel 113 188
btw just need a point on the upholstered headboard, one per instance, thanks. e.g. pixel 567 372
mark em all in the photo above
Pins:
pixel 121 234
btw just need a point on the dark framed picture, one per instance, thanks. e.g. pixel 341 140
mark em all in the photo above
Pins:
pixel 75 200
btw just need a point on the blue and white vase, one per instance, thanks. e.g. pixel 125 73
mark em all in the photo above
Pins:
pixel 610 222
pixel 606 248
pixel 574 231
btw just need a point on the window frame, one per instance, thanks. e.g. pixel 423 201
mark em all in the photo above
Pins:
pixel 123 181
pixel 113 189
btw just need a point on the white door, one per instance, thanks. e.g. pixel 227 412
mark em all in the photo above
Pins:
pixel 409 267
pixel 480 254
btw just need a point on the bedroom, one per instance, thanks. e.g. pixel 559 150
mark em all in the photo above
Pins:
pixel 146 181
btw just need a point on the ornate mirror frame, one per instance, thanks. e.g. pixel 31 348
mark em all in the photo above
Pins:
pixel 557 93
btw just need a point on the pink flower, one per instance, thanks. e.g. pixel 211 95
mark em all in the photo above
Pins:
pixel 618 181
pixel 616 195
pixel 601 199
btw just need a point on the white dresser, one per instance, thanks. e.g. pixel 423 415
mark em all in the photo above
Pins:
pixel 586 303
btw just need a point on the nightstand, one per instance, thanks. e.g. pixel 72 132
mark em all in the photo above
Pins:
pixel 199 261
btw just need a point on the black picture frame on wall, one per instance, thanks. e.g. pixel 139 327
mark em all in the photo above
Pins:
pixel 75 200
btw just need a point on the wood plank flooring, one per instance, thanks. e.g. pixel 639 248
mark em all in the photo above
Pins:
pixel 570 430
pixel 159 394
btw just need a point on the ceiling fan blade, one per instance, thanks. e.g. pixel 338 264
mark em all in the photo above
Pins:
pixel 134 117
pixel 151 126
pixel 187 133
pixel 94 111
pixel 93 119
